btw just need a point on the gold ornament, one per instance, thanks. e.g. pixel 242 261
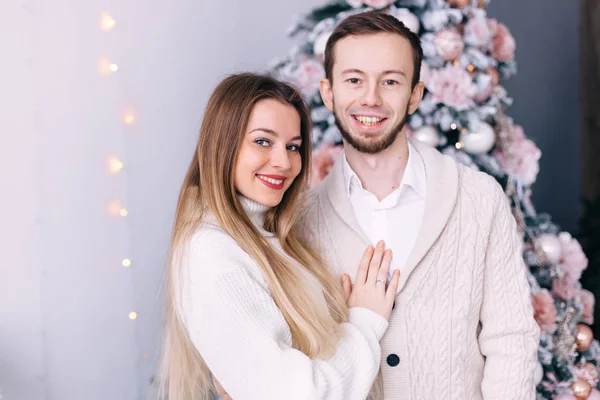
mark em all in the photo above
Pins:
pixel 493 72
pixel 581 389
pixel 459 3
pixel 583 337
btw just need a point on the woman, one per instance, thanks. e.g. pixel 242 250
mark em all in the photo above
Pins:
pixel 246 299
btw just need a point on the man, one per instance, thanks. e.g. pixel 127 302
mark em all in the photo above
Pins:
pixel 462 327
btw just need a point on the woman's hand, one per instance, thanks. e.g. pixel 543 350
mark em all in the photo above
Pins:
pixel 370 289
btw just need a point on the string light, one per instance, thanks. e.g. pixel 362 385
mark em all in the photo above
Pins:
pixel 106 21
pixel 114 207
pixel 459 145
pixel 453 126
pixel 114 165
pixel 470 68
pixel 106 67
pixel 129 117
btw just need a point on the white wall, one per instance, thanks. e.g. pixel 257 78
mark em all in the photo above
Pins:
pixel 64 295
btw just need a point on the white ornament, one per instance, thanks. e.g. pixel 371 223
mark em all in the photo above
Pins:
pixel 551 246
pixel 410 20
pixel 538 374
pixel 320 42
pixel 479 142
pixel 428 135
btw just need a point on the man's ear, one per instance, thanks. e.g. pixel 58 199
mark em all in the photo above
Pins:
pixel 415 97
pixel 326 93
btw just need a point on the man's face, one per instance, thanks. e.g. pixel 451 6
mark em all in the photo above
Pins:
pixel 371 95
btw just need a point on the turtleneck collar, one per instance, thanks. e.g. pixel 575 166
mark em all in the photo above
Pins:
pixel 256 212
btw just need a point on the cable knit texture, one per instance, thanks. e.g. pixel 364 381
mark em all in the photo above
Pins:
pixel 243 337
pixel 463 325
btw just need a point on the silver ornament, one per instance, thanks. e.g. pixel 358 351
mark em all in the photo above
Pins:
pixel 428 135
pixel 480 142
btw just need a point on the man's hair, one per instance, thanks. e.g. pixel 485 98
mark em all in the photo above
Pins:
pixel 368 23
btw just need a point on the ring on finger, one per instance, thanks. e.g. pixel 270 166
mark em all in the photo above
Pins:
pixel 381 281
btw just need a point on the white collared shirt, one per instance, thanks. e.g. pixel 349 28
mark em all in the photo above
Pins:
pixel 397 218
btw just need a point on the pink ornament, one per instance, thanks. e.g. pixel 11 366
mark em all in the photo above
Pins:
pixel 477 32
pixel 563 288
pixel 587 300
pixel 573 261
pixel 448 44
pixel 452 86
pixel 307 76
pixel 544 310
pixel 322 162
pixel 504 44
pixel 522 159
pixel 595 395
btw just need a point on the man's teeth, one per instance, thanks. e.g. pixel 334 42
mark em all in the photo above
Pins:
pixel 270 180
pixel 368 120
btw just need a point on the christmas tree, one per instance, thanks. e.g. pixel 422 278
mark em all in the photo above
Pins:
pixel 466 54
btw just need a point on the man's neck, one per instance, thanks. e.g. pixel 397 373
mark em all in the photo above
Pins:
pixel 380 173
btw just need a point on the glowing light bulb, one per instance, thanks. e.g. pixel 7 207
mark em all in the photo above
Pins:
pixel 114 165
pixel 106 67
pixel 132 315
pixel 126 262
pixel 106 21
pixel 129 117
pixel 114 207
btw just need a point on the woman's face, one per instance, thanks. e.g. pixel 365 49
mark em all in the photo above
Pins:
pixel 269 158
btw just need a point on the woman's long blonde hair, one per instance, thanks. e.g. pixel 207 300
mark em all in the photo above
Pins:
pixel 209 187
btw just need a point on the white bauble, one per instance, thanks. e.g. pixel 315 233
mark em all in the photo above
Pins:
pixel 427 134
pixel 551 246
pixel 320 42
pixel 410 20
pixel 479 142
pixel 538 375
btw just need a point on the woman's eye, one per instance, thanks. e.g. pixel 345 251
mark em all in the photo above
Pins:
pixel 262 142
pixel 293 147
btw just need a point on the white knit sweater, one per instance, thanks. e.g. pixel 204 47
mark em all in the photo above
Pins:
pixel 462 327
pixel 243 337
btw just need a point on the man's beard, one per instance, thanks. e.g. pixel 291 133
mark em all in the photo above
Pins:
pixel 373 147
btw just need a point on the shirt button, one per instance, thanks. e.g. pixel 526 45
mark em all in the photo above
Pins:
pixel 393 360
